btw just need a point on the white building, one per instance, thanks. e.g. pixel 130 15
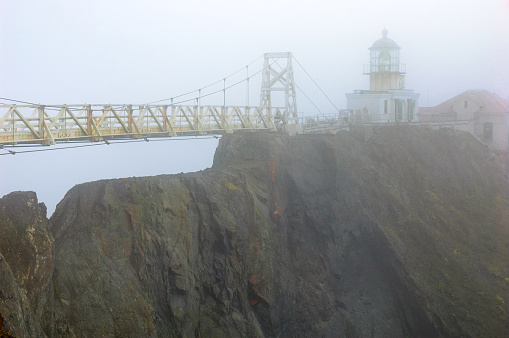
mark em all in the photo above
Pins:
pixel 387 100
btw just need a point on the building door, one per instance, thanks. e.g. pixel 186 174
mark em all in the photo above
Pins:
pixel 398 110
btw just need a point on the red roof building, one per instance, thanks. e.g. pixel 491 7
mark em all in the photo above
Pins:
pixel 483 114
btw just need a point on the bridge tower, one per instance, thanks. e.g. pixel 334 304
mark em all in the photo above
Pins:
pixel 279 80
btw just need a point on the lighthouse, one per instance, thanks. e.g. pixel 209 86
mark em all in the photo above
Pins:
pixel 387 100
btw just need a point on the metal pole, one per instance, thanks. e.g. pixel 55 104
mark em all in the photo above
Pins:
pixel 198 99
pixel 65 121
pixel 197 108
pixel 12 117
pixel 172 108
pixel 247 86
pixel 224 92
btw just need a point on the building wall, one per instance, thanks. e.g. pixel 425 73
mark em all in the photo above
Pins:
pixel 465 109
pixel 500 134
pixel 472 119
pixel 374 103
pixel 468 109
pixel 383 82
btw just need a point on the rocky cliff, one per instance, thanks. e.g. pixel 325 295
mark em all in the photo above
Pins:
pixel 397 231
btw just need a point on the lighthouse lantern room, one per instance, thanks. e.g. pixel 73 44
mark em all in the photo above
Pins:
pixel 385 70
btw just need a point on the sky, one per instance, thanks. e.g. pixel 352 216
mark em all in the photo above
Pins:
pixel 123 51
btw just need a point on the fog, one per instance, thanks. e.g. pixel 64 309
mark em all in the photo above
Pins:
pixel 98 52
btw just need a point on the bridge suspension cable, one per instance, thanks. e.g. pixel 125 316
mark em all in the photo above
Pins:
pixel 302 91
pixel 307 97
pixel 176 96
pixel 26 123
pixel 14 152
pixel 217 91
pixel 316 84
pixel 212 84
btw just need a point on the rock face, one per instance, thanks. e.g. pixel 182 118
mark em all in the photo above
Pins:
pixel 26 263
pixel 402 233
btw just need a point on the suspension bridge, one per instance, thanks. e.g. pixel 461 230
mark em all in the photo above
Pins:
pixel 25 123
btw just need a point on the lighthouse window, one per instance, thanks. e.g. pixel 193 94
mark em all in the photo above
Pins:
pixel 466 104
pixel 384 61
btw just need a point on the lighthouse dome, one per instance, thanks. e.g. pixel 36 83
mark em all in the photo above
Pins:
pixel 384 42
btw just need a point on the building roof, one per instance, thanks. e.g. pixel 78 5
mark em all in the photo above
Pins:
pixel 489 102
pixel 385 42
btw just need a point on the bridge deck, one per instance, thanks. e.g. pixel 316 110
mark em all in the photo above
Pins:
pixel 45 125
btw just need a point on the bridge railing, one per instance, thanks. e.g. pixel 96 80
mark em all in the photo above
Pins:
pixel 325 122
pixel 51 124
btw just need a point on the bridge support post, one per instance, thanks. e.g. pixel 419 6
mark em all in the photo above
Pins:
pixel 165 117
pixel 89 120
pixel 41 122
pixel 130 118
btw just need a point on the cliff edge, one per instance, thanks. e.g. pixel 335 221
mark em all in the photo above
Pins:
pixel 402 233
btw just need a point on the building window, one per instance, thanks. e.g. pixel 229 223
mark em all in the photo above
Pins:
pixel 411 108
pixel 487 134
pixel 465 105
pixel 386 108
